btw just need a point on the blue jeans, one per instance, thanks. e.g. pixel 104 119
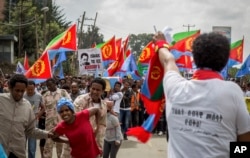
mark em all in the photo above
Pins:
pixel 31 147
pixel 124 120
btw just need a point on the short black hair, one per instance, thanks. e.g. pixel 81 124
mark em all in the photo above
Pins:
pixel 134 86
pixel 211 50
pixel 30 82
pixel 65 86
pixel 84 54
pixel 99 81
pixel 119 83
pixel 17 78
pixel 51 80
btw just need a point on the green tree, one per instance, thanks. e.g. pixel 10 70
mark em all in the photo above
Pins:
pixel 25 19
pixel 90 37
pixel 138 42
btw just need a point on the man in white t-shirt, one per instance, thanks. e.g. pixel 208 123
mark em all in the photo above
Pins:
pixel 205 113
pixel 117 96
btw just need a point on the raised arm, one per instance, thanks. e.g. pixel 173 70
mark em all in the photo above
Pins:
pixel 166 58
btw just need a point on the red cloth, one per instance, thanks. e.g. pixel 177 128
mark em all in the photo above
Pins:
pixel 81 136
pixel 204 74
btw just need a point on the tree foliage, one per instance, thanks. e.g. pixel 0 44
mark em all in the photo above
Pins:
pixel 26 20
pixel 138 42
pixel 90 37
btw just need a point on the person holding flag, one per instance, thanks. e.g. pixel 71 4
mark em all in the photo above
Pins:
pixel 199 119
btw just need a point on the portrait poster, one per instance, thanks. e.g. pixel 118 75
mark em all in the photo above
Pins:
pixel 90 61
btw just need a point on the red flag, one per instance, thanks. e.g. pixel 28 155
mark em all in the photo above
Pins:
pixel 40 69
pixel 128 52
pixel 65 40
pixel 108 50
pixel 184 62
pixel 125 44
pixel 118 45
pixel 115 66
pixel 147 53
pixel 26 62
pixel 236 52
pixel 185 44
pixel 152 97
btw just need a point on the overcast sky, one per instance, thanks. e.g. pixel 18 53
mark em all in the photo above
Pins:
pixel 124 17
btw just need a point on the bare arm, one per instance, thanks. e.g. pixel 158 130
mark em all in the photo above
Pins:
pixel 244 137
pixel 41 111
pixel 166 58
pixel 93 111
pixel 61 139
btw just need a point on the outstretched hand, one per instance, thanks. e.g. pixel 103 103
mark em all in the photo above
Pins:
pixel 52 135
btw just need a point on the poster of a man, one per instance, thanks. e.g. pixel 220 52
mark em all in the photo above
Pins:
pixel 84 59
pixel 90 61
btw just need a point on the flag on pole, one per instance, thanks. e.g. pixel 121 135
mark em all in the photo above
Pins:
pixel 65 41
pixel 145 57
pixel 245 68
pixel 236 53
pixel 152 95
pixel 108 52
pixel 19 68
pixel 62 57
pixel 40 71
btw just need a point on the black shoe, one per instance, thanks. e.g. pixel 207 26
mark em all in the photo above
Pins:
pixel 125 137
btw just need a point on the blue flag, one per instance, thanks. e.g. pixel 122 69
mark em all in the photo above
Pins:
pixel 62 57
pixel 245 68
pixel 129 68
pixel 19 68
pixel 224 72
pixel 129 64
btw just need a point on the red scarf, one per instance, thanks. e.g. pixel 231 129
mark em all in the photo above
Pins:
pixel 205 74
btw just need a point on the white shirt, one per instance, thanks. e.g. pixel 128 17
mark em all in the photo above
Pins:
pixel 203 116
pixel 117 97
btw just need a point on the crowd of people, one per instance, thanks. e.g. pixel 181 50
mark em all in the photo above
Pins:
pixel 84 112
pixel 121 106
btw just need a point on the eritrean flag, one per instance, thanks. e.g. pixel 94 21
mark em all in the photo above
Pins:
pixel 40 71
pixel 145 57
pixel 152 95
pixel 108 52
pixel 236 53
pixel 63 42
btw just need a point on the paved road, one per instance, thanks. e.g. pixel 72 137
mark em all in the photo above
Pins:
pixel 155 148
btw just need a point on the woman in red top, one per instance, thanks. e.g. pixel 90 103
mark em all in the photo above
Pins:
pixel 78 130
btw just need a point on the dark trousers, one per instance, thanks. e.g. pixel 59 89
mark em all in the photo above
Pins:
pixel 135 118
pixel 41 125
pixel 12 155
pixel 110 149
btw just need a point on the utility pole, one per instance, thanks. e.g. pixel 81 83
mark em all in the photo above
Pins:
pixel 20 31
pixel 37 47
pixel 44 9
pixel 80 37
pixel 188 26
pixel 93 28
